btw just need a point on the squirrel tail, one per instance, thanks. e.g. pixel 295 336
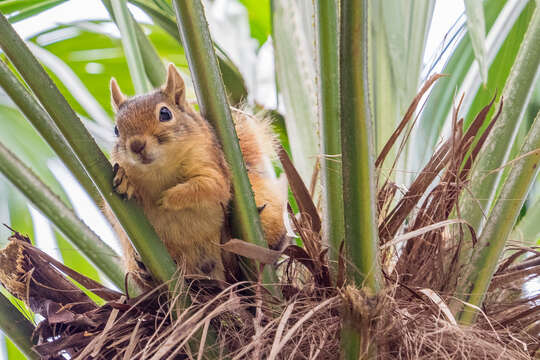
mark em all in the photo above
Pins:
pixel 257 141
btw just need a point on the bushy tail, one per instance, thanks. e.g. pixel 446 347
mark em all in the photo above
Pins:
pixel 258 145
pixel 257 141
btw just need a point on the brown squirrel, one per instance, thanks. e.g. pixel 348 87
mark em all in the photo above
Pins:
pixel 168 158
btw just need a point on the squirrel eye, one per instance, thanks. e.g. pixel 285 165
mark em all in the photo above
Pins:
pixel 165 114
pixel 116 132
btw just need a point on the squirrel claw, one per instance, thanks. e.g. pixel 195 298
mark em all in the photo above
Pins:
pixel 130 192
pixel 121 183
pixel 261 208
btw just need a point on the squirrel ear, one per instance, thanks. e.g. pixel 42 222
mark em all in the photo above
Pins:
pixel 117 98
pixel 175 87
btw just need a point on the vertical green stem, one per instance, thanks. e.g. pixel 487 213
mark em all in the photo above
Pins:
pixel 488 250
pixel 163 17
pixel 130 216
pixel 327 26
pixel 132 51
pixel 214 107
pixel 361 237
pixel 155 70
pixel 17 327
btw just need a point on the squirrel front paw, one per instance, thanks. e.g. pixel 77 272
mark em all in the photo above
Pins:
pixel 121 183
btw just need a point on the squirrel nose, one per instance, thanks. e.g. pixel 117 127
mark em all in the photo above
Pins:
pixel 137 145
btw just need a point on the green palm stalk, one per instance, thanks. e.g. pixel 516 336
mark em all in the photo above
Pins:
pixel 481 192
pixel 45 126
pixel 17 327
pixel 102 255
pixel 214 107
pixel 361 237
pixel 327 26
pixel 489 247
pixel 125 23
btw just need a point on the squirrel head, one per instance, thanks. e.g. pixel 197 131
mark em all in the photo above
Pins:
pixel 152 128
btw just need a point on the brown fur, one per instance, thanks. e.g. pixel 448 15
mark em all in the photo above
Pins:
pixel 181 179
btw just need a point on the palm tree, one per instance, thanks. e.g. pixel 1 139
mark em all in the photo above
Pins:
pixel 352 80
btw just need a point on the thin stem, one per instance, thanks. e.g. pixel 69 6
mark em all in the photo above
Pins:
pixel 480 196
pixel 327 26
pixel 234 83
pixel 132 52
pixel 215 108
pixel 489 247
pixel 17 327
pixel 361 236
pixel 153 65
pixel 130 216
pixel 46 128
pixel 97 251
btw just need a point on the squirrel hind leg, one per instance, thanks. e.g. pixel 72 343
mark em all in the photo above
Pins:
pixel 135 269
pixel 271 203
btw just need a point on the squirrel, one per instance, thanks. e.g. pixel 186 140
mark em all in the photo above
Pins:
pixel 167 158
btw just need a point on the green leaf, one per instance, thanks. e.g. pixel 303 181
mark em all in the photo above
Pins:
pixel 500 66
pixel 439 103
pixel 94 55
pixel 19 215
pixel 73 84
pixel 259 19
pixel 17 135
pixel 61 215
pixel 398 33
pixel 294 51
pixel 44 125
pixel 17 10
pixel 485 177
pixel 164 17
pixel 478 200
pixel 477 31
pixel 527 231
pixel 131 46
pixel 487 251
pixel 13 352
pixel 17 327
